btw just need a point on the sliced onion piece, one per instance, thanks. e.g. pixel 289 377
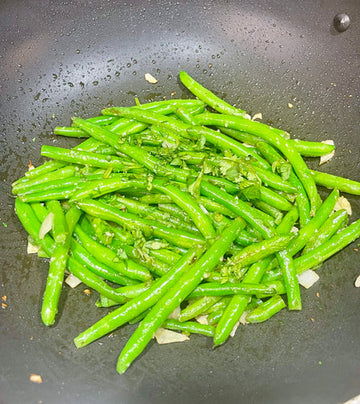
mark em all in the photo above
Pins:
pixel 46 225
pixel 72 281
pixel 164 336
pixel 257 116
pixel 150 78
pixel 343 203
pixel 243 318
pixel 327 157
pixel 203 319
pixel 308 278
pixel 233 331
pixel 31 247
pixel 175 314
pixel 357 282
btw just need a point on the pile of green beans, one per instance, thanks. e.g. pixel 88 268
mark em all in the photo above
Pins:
pixel 182 205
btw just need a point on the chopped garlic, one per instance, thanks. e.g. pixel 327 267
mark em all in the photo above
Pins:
pixel 343 203
pixel 35 378
pixel 46 225
pixel 233 331
pixel 72 281
pixel 150 78
pixel 202 319
pixel 242 319
pixel 257 116
pixel 32 248
pixel 354 400
pixel 327 157
pixel 308 278
pixel 175 314
pixel 357 282
pixel 168 337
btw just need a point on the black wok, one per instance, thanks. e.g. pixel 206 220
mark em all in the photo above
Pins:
pixel 58 59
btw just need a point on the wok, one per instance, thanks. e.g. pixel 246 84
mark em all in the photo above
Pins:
pixel 64 58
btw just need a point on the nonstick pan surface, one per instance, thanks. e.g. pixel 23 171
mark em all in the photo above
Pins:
pixel 59 59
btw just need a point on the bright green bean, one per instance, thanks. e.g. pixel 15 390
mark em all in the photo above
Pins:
pixel 137 306
pixel 266 310
pixel 175 296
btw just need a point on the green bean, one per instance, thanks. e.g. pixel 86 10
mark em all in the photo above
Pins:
pixel 48 194
pixel 87 158
pixel 226 143
pixel 240 208
pixel 69 131
pixel 224 289
pixel 309 229
pixel 269 209
pixel 178 103
pixel 186 202
pixel 137 306
pixel 258 251
pixel 321 253
pixel 152 163
pixel 198 307
pixel 167 256
pixel 175 296
pixel 104 302
pixel 243 137
pixel 221 304
pixel 214 317
pixel 312 149
pixel 93 281
pixel 43 169
pixel 52 165
pixel 184 115
pixel 99 268
pixel 327 230
pixel 155 266
pixel 32 225
pixel 243 239
pixel 330 247
pixel 40 211
pixel 273 136
pixel 103 120
pixel 266 310
pixel 173 210
pixel 273 157
pixel 57 266
pixel 208 97
pixel 306 149
pixel 96 188
pixel 130 221
pixel 151 118
pixel 120 234
pixel 288 222
pixel 62 173
pixel 255 274
pixel 208 204
pixel 108 257
pixel 150 212
pixel 333 181
pixel 189 327
pixel 272 198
